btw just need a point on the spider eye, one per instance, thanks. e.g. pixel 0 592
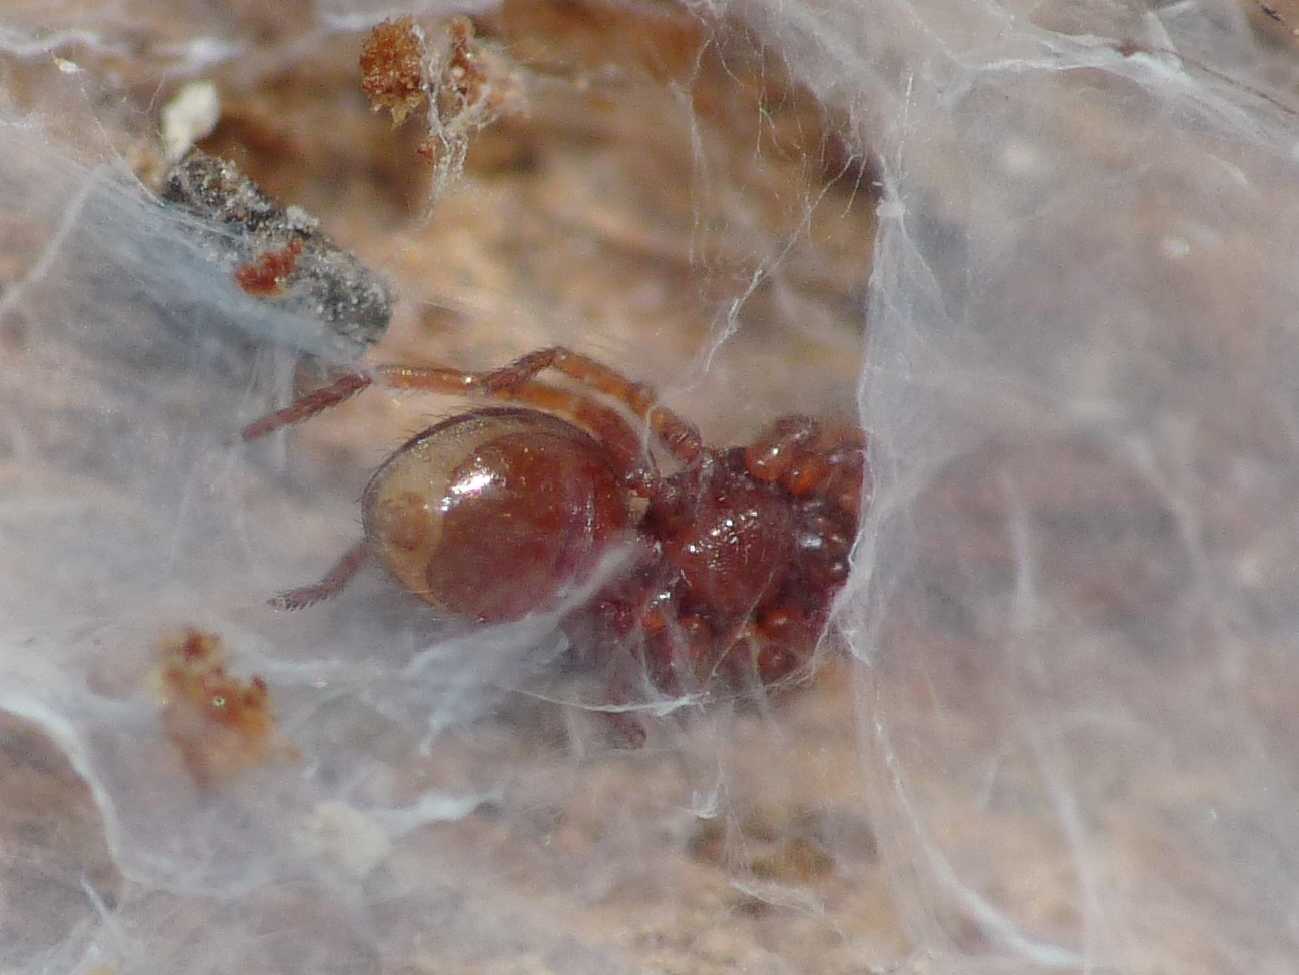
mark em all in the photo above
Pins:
pixel 494 514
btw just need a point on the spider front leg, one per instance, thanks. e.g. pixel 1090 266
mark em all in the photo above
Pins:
pixel 305 407
pixel 672 430
pixel 510 384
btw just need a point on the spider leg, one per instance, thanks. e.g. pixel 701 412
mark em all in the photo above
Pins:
pixel 770 457
pixel 605 424
pixel 807 460
pixel 784 637
pixel 677 434
pixel 331 585
pixel 680 647
pixel 841 474
pixel 317 401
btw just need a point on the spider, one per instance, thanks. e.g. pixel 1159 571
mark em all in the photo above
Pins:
pixel 731 560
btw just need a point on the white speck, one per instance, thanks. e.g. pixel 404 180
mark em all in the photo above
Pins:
pixel 299 218
pixel 192 114
pixel 199 52
pixel 1250 571
pixel 1175 247
pixel 66 66
pixel 472 484
pixel 891 210
pixel 346 837
pixel 1021 159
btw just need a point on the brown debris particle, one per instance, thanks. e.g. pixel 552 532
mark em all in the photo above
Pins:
pixel 352 303
pixel 473 87
pixel 264 276
pixel 462 85
pixel 708 842
pixel 769 844
pixel 392 68
pixel 797 860
pixel 464 82
pixel 220 724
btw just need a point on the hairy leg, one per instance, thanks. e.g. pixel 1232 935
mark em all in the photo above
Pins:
pixel 305 407
pixel 331 585
pixel 677 434
pixel 605 424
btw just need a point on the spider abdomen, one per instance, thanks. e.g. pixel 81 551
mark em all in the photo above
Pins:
pixel 494 514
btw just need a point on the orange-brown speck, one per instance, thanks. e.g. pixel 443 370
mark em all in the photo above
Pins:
pixel 392 68
pixel 265 276
pixel 220 724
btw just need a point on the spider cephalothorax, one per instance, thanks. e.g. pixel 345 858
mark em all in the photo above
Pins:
pixel 734 558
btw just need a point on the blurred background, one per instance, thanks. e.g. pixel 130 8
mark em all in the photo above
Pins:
pixel 1044 253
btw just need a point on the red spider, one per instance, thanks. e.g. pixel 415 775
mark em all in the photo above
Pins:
pixel 501 512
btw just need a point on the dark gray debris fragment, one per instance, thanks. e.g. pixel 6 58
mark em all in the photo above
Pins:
pixel 318 278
